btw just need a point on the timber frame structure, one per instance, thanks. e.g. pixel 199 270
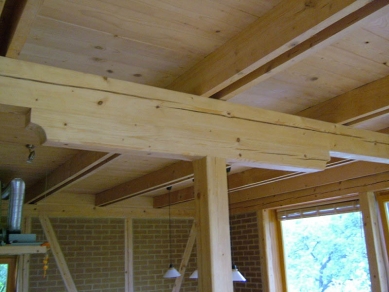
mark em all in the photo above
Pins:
pixel 125 100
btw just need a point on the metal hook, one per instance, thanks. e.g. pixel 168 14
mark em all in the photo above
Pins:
pixel 31 155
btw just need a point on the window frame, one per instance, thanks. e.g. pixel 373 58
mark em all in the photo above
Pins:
pixel 276 264
pixel 11 275
pixel 382 199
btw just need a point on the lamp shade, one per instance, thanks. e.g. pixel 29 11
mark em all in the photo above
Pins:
pixel 236 275
pixel 171 272
pixel 194 275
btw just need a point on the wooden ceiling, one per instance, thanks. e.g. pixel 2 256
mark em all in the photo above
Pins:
pixel 320 59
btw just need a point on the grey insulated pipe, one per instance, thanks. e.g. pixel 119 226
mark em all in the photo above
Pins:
pixel 15 192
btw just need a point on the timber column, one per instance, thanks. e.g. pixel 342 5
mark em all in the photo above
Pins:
pixel 213 226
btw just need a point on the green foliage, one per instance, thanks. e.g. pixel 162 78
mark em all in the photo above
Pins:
pixel 326 254
pixel 3 277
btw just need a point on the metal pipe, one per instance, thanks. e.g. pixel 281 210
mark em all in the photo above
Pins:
pixel 15 192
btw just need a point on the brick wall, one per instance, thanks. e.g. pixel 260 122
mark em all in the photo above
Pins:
pixel 245 251
pixel 93 249
pixel 151 254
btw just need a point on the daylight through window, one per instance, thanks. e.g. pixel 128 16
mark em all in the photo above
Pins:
pixel 325 253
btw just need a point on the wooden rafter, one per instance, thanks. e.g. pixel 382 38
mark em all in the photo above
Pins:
pixel 68 105
pixel 78 167
pixel 304 49
pixel 355 106
pixel 162 178
pixel 333 175
pixel 294 183
pixel 338 190
pixel 20 25
pixel 292 22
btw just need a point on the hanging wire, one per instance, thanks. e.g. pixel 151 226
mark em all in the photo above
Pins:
pixel 170 232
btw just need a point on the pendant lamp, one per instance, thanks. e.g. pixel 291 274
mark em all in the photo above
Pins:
pixel 171 272
pixel 236 275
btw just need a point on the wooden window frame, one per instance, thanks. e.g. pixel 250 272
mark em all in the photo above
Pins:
pixel 11 275
pixel 383 198
pixel 271 241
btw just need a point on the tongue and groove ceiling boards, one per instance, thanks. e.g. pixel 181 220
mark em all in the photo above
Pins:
pixel 324 60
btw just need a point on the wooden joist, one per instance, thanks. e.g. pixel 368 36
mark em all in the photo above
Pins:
pixel 161 178
pixel 338 190
pixel 304 49
pixel 349 171
pixel 354 106
pixel 133 117
pixel 78 167
pixel 22 26
pixel 292 22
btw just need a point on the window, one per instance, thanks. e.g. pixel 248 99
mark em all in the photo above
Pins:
pixel 7 274
pixel 325 253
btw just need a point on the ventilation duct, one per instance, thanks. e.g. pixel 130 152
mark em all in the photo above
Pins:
pixel 15 193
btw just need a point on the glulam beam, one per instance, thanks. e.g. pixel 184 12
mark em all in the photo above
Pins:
pixel 94 113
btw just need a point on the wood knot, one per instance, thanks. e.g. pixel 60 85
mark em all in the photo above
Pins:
pixel 100 102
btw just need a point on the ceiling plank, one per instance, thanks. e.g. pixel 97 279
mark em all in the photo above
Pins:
pixel 161 178
pixel 133 117
pixel 299 182
pixel 292 22
pixel 301 51
pixel 78 167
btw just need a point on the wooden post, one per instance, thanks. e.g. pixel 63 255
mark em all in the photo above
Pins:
pixel 273 278
pixel 58 255
pixel 378 275
pixel 212 224
pixel 23 273
pixel 185 258
pixel 129 246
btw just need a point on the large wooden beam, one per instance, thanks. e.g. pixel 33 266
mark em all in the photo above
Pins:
pixel 78 167
pixel 283 27
pixel 304 49
pixel 133 117
pixel 162 178
pixel 212 225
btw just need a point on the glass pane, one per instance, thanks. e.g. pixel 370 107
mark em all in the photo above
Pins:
pixel 3 277
pixel 326 254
